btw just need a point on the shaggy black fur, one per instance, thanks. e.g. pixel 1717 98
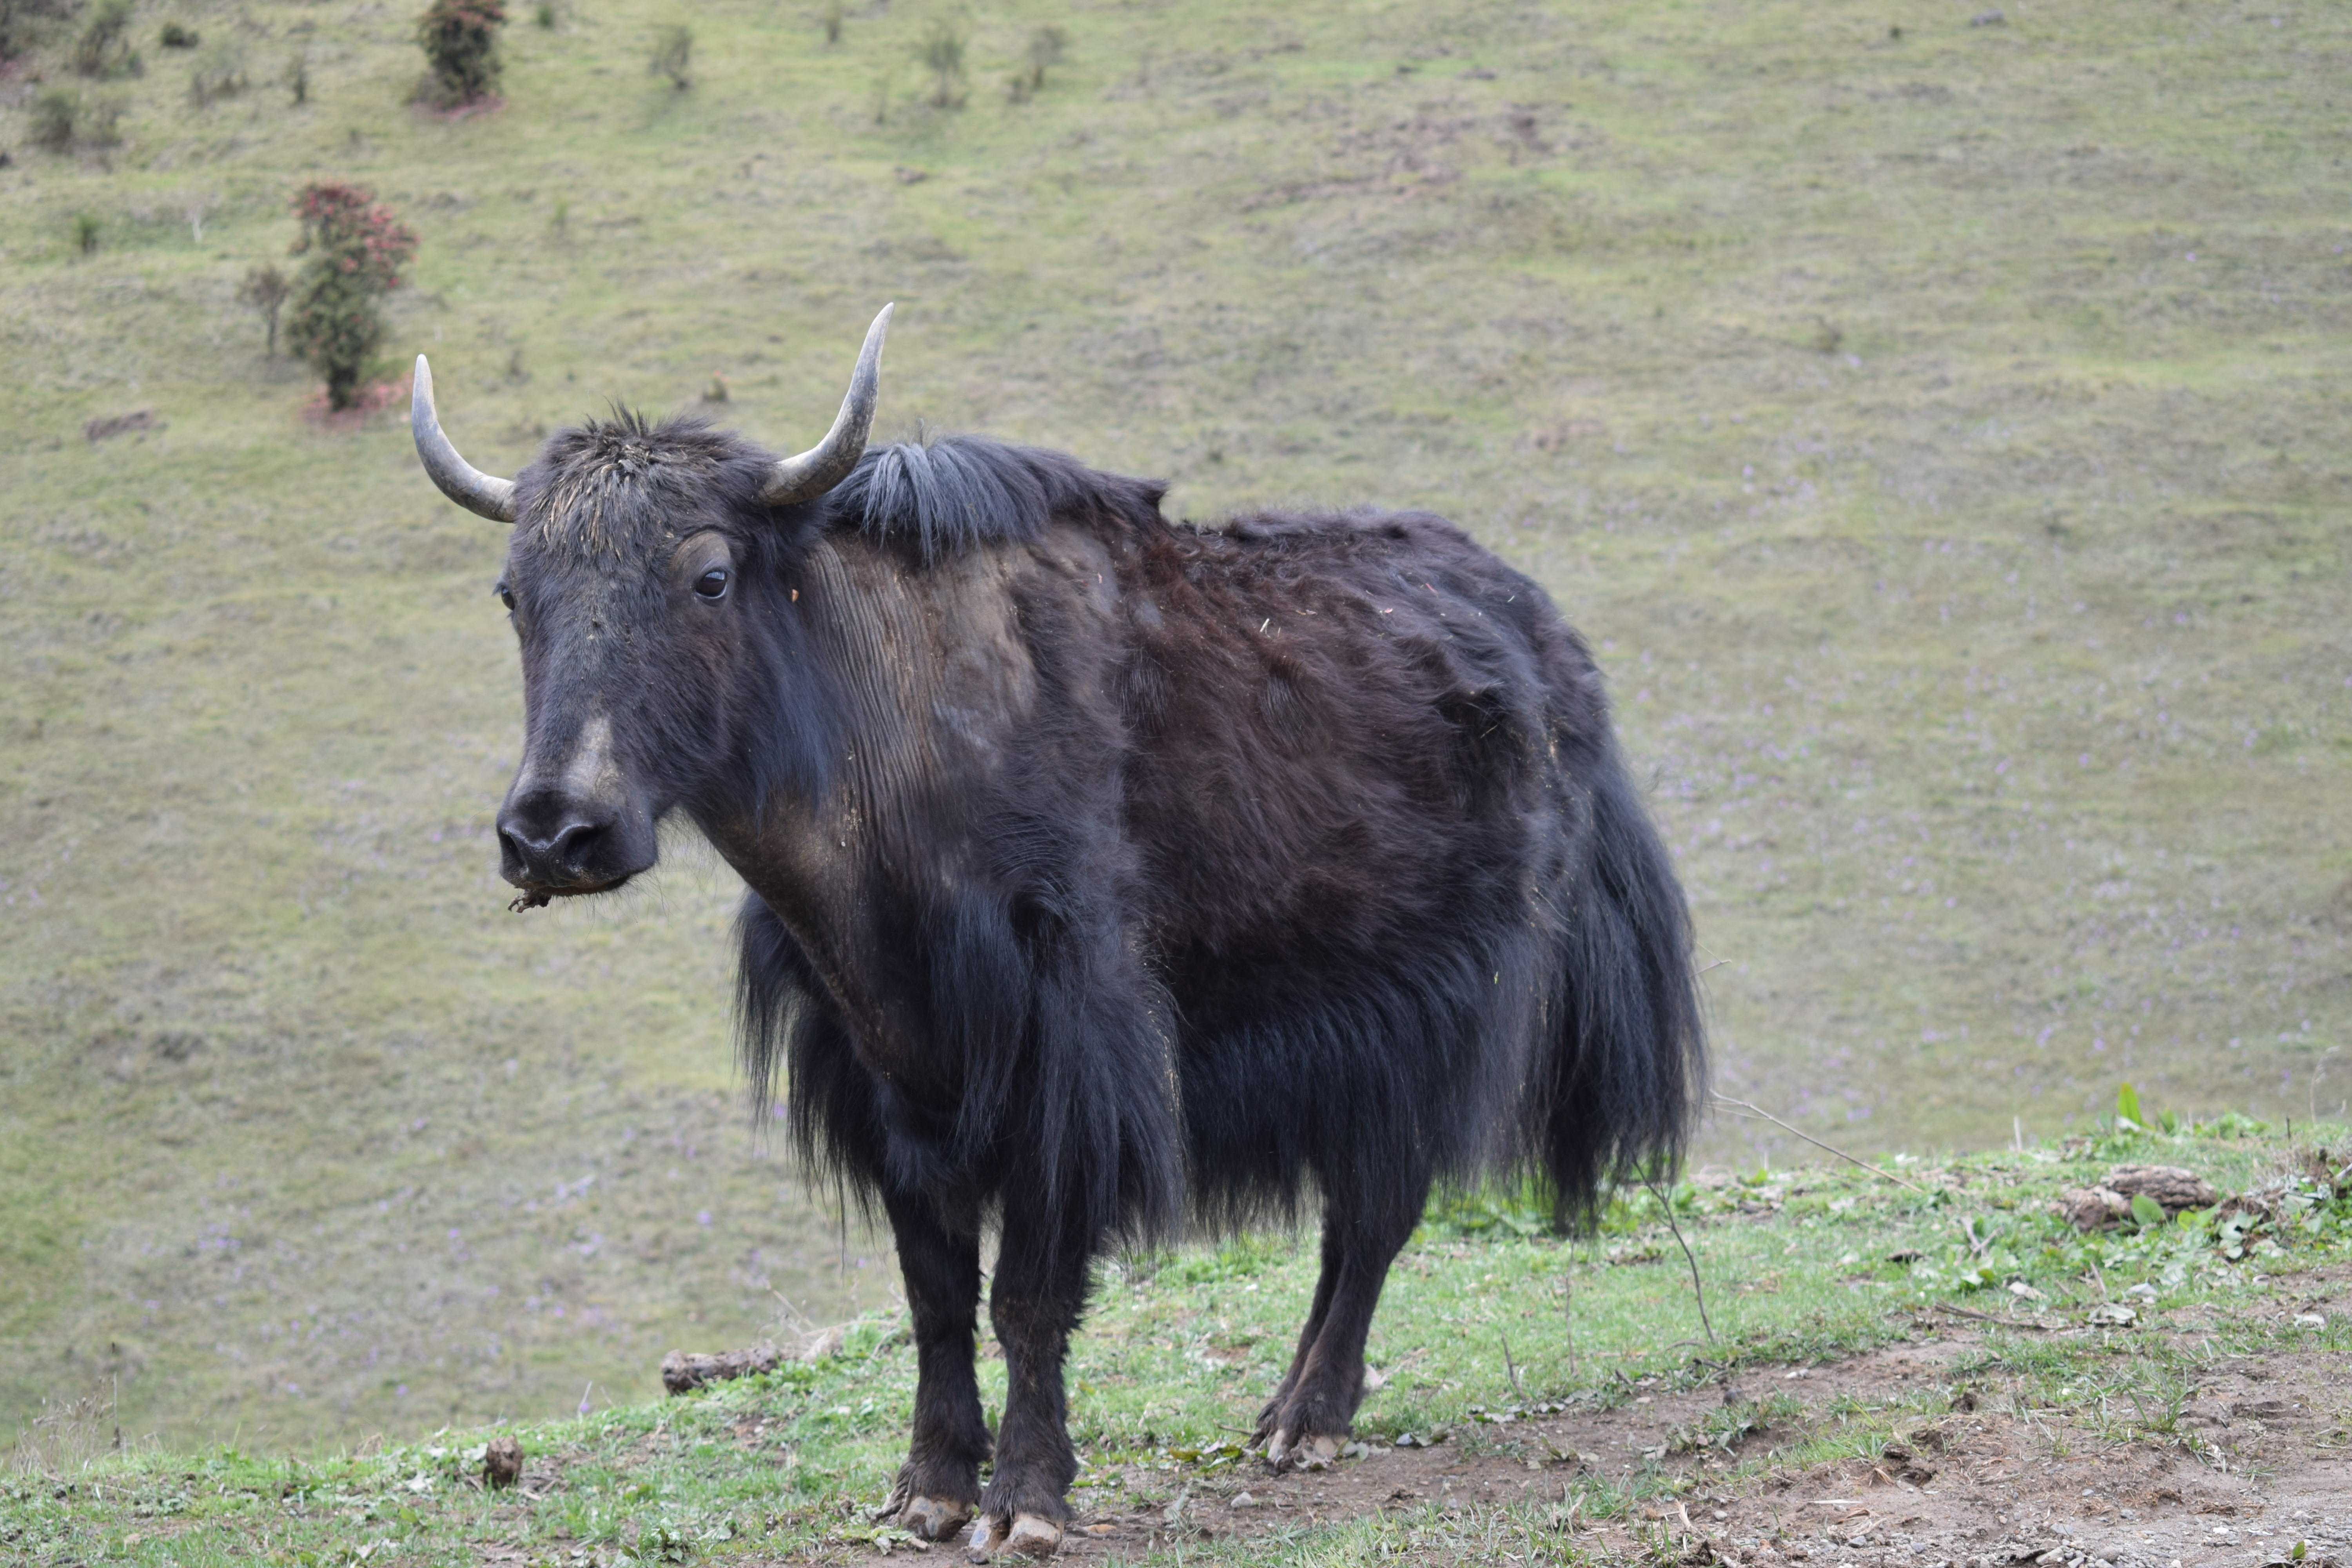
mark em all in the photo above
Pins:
pixel 1103 867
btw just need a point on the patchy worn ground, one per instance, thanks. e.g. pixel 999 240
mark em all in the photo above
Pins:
pixel 2254 1472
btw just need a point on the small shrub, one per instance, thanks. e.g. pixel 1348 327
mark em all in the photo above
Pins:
pixel 22 22
pixel 175 37
pixel 63 120
pixel 104 46
pixel 355 250
pixel 1045 48
pixel 460 40
pixel 85 233
pixel 100 124
pixel 55 114
pixel 297 78
pixel 830 22
pixel 220 74
pixel 560 220
pixel 941 53
pixel 264 291
pixel 673 52
pixel 337 329
pixel 545 15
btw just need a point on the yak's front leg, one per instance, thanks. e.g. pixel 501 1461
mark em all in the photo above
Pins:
pixel 939 1482
pixel 1039 1293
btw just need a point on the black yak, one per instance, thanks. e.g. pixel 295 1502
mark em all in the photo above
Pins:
pixel 1105 872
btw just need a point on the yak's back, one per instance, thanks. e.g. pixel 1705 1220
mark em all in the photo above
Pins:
pixel 1389 608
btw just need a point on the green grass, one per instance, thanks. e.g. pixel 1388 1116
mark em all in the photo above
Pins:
pixel 1180 1348
pixel 1939 438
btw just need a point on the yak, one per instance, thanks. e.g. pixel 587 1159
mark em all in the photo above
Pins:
pixel 1108 875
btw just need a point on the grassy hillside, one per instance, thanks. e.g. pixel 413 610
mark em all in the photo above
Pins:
pixel 1485 1329
pixel 1938 428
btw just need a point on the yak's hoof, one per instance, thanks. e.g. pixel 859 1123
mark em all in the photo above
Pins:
pixel 933 1519
pixel 1028 1535
pixel 1285 1453
pixel 1034 1537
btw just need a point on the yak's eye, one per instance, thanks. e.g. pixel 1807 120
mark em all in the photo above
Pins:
pixel 506 595
pixel 711 584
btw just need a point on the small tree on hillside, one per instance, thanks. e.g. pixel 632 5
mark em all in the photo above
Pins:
pixel 355 250
pixel 104 46
pixel 942 52
pixel 264 291
pixel 673 55
pixel 460 40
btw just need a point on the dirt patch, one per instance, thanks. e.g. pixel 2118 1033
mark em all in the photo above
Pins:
pixel 2256 1463
pixel 139 420
pixel 372 400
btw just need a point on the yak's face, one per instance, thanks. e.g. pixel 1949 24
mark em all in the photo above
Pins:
pixel 628 585
pixel 628 588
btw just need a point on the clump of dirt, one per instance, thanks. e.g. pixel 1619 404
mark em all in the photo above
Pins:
pixel 2169 1187
pixel 501 1461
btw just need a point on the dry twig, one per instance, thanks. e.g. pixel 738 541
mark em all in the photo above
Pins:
pixel 1885 1175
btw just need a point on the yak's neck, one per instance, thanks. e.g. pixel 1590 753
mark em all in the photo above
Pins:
pixel 924 680
pixel 902 684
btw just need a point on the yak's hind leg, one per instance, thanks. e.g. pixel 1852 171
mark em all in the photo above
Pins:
pixel 1309 1418
pixel 1267 1418
pixel 939 1482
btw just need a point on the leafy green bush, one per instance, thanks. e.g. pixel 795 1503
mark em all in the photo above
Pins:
pixel 460 40
pixel 355 250
pixel 176 37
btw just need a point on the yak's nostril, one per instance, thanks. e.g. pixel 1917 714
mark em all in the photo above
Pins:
pixel 556 840
pixel 568 837
pixel 565 843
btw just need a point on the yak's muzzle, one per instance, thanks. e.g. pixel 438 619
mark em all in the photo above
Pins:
pixel 553 843
pixel 573 828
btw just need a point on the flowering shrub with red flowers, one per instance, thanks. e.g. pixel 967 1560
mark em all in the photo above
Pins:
pixel 356 249
pixel 460 40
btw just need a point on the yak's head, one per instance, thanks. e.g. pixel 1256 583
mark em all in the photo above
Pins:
pixel 635 579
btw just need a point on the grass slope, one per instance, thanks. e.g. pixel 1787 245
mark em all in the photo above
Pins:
pixel 1937 434
pixel 1484 1318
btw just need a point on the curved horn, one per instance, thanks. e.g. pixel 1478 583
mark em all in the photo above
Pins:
pixel 477 491
pixel 829 462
